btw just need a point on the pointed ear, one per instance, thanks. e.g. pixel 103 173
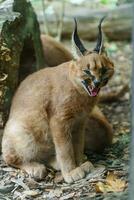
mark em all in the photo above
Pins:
pixel 100 46
pixel 78 48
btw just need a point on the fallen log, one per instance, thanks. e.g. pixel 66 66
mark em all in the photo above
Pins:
pixel 117 26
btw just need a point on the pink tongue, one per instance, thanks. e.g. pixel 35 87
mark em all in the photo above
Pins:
pixel 94 92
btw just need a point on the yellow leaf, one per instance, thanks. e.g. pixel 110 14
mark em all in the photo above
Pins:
pixel 112 184
pixel 100 187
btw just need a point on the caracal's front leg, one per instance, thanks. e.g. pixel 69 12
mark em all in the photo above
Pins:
pixel 61 132
pixel 78 140
pixel 78 143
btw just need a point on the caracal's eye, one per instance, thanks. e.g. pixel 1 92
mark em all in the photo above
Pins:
pixel 88 73
pixel 103 70
pixel 105 80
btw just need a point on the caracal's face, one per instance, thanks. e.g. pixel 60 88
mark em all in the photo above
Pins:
pixel 93 71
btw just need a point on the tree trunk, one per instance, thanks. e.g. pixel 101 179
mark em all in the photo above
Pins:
pixel 20 47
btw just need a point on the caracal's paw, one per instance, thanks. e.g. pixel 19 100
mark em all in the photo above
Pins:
pixel 78 173
pixel 74 175
pixel 87 166
pixel 35 170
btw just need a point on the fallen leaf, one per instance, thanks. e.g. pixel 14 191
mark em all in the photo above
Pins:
pixel 112 184
pixel 101 187
pixel 31 193
pixel 116 183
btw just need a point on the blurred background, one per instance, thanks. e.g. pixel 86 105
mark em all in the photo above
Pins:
pixel 56 17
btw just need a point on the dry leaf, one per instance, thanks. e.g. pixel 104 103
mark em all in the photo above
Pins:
pixel 116 183
pixel 32 193
pixel 112 184
pixel 101 187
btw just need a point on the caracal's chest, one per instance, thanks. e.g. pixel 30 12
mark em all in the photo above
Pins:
pixel 74 105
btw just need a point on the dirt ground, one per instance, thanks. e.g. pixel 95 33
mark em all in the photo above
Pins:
pixel 110 177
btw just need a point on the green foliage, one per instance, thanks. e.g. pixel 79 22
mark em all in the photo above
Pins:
pixel 121 144
pixel 112 2
pixel 115 2
pixel 104 1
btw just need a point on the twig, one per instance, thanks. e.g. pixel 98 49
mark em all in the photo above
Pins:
pixel 60 27
pixel 20 183
pixel 45 22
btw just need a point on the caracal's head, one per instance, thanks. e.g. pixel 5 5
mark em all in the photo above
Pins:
pixel 92 69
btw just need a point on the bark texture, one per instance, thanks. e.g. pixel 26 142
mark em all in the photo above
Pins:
pixel 20 47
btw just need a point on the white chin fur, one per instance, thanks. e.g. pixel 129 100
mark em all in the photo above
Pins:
pixel 86 90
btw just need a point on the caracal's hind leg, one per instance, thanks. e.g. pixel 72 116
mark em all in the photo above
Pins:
pixel 21 150
pixel 99 132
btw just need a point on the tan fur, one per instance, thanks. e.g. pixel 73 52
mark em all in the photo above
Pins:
pixel 98 139
pixel 99 133
pixel 101 127
pixel 48 118
pixel 54 52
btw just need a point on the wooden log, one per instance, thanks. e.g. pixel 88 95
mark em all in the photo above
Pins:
pixel 117 25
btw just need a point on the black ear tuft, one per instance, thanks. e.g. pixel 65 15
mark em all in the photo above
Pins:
pixel 77 42
pixel 99 45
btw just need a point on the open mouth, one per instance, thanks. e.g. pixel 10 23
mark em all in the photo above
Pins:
pixel 92 91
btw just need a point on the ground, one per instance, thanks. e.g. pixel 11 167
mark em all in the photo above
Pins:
pixel 110 178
